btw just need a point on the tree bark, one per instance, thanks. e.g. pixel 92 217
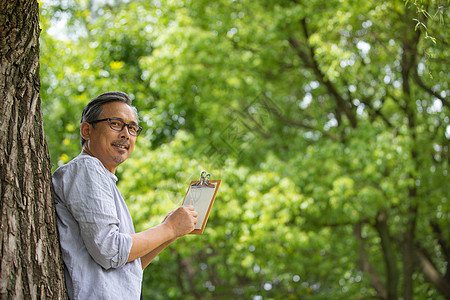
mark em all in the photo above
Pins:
pixel 392 275
pixel 408 64
pixel 31 265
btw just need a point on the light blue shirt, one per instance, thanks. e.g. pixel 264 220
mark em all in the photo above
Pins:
pixel 94 227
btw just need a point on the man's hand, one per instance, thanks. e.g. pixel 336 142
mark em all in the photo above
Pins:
pixel 181 220
pixel 149 243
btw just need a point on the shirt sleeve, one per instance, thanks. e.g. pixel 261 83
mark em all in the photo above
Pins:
pixel 89 198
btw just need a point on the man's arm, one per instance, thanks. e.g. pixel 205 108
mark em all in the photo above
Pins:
pixel 153 240
pixel 149 257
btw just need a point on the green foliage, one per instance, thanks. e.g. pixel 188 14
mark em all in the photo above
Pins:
pixel 319 117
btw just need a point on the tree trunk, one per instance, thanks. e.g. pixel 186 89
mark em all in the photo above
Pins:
pixel 31 265
pixel 392 276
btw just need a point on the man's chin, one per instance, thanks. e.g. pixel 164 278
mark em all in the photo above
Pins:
pixel 119 159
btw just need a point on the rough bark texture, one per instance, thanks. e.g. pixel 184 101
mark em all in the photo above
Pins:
pixel 31 265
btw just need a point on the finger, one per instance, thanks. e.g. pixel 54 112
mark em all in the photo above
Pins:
pixel 190 207
pixel 194 213
pixel 187 208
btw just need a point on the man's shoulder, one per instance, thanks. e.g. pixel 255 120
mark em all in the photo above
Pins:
pixel 82 162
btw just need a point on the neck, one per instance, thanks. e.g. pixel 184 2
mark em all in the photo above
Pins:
pixel 88 152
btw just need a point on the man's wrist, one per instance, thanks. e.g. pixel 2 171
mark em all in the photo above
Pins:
pixel 169 230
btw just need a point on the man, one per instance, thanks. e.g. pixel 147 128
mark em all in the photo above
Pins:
pixel 103 256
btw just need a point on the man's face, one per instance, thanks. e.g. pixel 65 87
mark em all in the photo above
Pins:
pixel 111 147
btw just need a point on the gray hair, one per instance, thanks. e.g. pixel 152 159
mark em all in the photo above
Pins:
pixel 94 109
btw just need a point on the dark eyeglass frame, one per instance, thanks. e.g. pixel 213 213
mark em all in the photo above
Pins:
pixel 123 126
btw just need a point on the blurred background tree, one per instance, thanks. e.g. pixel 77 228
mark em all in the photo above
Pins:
pixel 328 123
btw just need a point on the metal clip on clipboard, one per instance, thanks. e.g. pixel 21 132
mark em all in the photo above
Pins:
pixel 204 181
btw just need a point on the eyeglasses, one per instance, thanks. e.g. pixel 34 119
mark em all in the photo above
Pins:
pixel 118 125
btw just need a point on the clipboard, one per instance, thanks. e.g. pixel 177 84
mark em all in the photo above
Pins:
pixel 202 194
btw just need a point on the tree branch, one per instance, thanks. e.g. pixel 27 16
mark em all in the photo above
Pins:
pixel 273 109
pixel 407 63
pixel 444 246
pixel 392 276
pixel 310 61
pixel 179 279
pixel 421 84
pixel 190 272
pixel 366 266
pixel 431 273
pixel 377 112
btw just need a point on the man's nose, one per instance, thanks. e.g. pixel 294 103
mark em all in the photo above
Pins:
pixel 124 133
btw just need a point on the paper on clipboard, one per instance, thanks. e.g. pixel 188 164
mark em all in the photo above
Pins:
pixel 201 195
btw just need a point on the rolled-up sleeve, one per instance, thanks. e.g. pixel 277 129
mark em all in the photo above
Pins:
pixel 92 206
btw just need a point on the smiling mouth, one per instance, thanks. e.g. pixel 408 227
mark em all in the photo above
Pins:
pixel 121 146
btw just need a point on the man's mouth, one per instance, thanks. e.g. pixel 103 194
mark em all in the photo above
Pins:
pixel 124 146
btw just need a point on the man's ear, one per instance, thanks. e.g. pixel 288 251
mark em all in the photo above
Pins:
pixel 85 130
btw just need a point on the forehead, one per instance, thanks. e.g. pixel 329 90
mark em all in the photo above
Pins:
pixel 118 110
